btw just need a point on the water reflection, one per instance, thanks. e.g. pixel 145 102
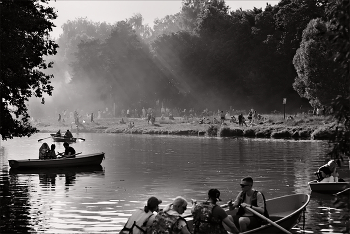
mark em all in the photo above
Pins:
pixel 136 167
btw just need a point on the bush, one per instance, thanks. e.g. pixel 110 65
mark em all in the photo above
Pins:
pixel 225 132
pixel 212 130
pixel 322 133
pixel 281 134
pixel 249 132
pixel 264 133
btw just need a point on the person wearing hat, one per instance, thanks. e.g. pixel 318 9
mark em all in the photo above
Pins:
pixel 142 219
pixel 252 198
pixel 169 220
pixel 210 218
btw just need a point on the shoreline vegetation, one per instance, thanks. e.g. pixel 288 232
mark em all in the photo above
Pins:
pixel 300 126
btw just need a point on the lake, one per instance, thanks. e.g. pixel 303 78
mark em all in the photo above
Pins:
pixel 100 199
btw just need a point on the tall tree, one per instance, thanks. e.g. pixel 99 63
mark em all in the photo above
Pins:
pixel 319 77
pixel 24 36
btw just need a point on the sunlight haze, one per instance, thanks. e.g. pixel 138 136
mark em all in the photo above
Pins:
pixel 114 11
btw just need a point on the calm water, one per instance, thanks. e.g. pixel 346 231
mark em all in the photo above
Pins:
pixel 100 199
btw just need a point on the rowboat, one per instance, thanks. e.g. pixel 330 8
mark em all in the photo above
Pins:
pixel 328 187
pixel 83 160
pixel 284 211
pixel 63 139
pixel 95 169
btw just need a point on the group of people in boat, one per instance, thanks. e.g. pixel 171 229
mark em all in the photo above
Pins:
pixel 68 134
pixel 45 152
pixel 328 173
pixel 208 217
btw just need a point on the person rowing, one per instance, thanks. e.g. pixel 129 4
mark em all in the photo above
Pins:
pixel 68 134
pixel 69 151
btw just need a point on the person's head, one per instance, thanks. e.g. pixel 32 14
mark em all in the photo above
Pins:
pixel 179 204
pixel 53 147
pixel 152 204
pixel 67 130
pixel 214 195
pixel 246 183
pixel 45 146
pixel 65 144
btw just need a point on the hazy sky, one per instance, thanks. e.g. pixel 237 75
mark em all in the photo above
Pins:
pixel 115 10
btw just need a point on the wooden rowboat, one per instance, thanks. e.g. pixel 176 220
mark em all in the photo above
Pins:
pixel 328 187
pixel 63 139
pixel 284 211
pixel 95 169
pixel 82 160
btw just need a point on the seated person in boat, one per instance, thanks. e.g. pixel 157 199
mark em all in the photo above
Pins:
pixel 142 219
pixel 209 218
pixel 252 198
pixel 325 175
pixel 52 153
pixel 328 173
pixel 169 220
pixel 58 133
pixel 44 151
pixel 69 151
pixel 68 134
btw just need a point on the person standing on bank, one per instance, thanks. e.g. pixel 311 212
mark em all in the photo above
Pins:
pixel 248 197
pixel 208 217
pixel 142 219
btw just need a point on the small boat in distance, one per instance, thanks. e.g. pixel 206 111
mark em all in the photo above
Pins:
pixel 284 211
pixel 63 139
pixel 332 187
pixel 81 160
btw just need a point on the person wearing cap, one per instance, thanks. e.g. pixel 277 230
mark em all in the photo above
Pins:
pixel 248 197
pixel 209 218
pixel 169 220
pixel 142 219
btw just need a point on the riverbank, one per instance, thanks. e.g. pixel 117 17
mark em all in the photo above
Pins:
pixel 271 126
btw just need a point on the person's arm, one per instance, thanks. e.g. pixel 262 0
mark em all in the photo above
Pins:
pixel 260 204
pixel 185 230
pixel 233 205
pixel 230 224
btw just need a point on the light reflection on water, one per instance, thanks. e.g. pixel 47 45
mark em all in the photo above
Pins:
pixel 136 167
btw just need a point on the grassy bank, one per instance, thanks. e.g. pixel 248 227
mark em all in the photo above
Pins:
pixel 271 126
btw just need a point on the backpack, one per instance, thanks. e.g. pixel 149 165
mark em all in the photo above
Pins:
pixel 241 210
pixel 203 219
pixel 165 224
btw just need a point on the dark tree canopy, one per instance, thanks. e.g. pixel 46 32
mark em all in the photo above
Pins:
pixel 25 42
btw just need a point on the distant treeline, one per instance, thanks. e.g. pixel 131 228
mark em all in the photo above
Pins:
pixel 206 56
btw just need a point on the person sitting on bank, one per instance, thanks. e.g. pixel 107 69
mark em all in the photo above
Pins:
pixel 169 220
pixel 209 218
pixel 248 197
pixel 69 151
pixel 142 219
pixel 52 154
pixel 68 134
pixel 44 151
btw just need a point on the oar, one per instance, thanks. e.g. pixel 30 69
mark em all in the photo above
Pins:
pixel 80 138
pixel 43 138
pixel 268 220
pixel 68 156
